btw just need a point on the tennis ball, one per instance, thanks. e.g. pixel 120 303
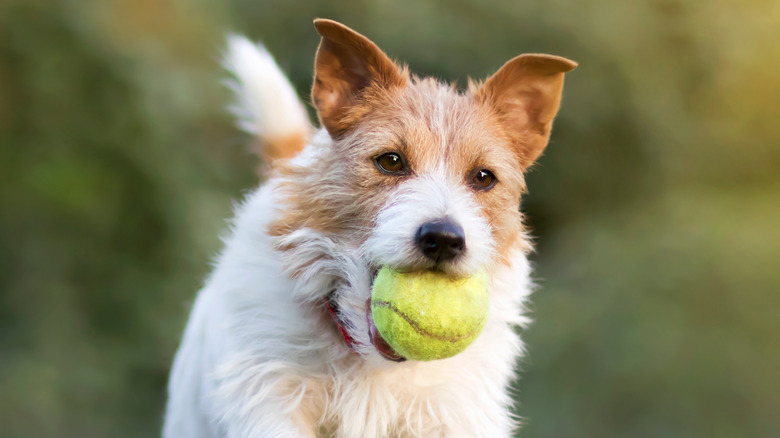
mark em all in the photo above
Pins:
pixel 427 315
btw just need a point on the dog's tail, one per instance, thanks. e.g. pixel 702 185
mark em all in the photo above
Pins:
pixel 266 104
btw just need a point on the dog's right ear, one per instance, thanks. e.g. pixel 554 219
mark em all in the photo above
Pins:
pixel 346 64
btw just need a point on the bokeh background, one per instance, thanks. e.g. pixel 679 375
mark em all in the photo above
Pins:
pixel 656 207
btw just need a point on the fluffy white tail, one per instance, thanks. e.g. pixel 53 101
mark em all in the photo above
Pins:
pixel 266 104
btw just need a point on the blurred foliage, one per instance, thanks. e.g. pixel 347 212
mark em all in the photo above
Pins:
pixel 656 206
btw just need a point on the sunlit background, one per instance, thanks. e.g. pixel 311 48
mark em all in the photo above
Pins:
pixel 656 207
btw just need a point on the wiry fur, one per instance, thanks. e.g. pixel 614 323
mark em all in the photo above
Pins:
pixel 261 356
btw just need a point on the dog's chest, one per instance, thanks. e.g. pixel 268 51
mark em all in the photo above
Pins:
pixel 380 403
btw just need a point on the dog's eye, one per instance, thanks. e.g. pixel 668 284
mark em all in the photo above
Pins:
pixel 483 179
pixel 391 163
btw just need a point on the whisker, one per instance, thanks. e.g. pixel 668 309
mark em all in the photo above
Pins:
pixel 490 222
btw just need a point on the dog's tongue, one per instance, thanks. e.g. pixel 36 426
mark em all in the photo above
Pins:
pixel 379 343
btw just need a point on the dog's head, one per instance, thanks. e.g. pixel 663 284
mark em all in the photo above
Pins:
pixel 409 173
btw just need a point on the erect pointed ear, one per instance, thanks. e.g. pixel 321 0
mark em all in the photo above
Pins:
pixel 526 94
pixel 346 64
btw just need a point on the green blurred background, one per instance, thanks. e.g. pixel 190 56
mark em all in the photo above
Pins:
pixel 656 207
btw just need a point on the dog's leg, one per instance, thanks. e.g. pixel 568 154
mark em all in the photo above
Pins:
pixel 270 424
pixel 214 393
pixel 263 401
pixel 186 412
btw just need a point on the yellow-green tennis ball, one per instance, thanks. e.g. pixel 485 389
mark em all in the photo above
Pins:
pixel 427 315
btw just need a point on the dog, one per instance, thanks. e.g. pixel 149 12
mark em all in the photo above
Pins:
pixel 280 342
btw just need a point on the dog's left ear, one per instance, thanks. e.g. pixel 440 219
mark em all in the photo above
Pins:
pixel 525 94
pixel 347 64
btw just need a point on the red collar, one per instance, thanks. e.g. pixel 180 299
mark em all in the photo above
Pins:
pixel 334 313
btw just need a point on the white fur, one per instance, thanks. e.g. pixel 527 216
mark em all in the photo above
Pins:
pixel 267 104
pixel 430 197
pixel 261 358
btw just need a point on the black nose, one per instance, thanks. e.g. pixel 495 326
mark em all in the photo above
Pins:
pixel 441 240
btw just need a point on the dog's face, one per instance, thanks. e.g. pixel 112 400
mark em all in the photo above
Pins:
pixel 414 174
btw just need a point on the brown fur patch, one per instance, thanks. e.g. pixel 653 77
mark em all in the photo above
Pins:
pixel 437 129
pixel 271 149
pixel 371 106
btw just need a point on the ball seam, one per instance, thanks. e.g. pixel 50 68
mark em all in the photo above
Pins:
pixel 420 330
